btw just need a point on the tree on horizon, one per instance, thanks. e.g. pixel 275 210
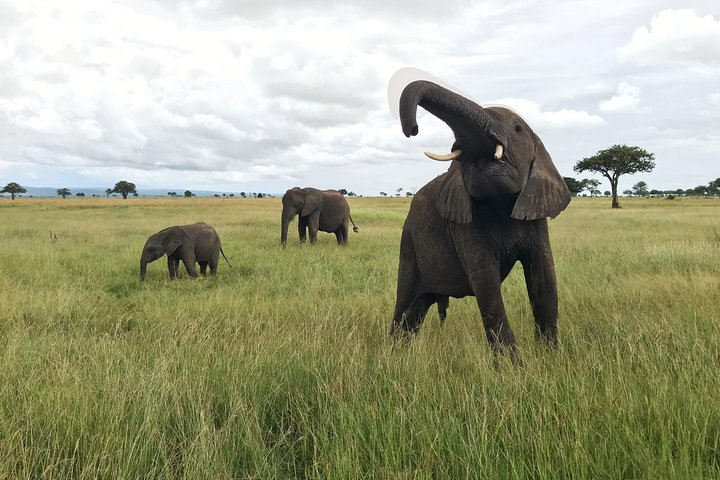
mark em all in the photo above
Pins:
pixel 63 192
pixel 124 188
pixel 13 189
pixel 616 161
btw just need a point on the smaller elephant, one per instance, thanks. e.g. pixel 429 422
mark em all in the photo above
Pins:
pixel 198 242
pixel 324 210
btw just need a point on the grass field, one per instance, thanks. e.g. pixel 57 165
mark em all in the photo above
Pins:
pixel 282 368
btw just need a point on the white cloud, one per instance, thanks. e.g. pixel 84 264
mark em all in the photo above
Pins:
pixel 627 98
pixel 678 36
pixel 546 119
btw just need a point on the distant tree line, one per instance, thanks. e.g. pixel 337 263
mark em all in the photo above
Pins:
pixel 640 189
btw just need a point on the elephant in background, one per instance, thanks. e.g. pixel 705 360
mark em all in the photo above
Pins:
pixel 198 242
pixel 467 228
pixel 324 210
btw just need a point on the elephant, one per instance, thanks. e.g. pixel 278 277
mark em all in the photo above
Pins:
pixel 467 228
pixel 324 210
pixel 198 242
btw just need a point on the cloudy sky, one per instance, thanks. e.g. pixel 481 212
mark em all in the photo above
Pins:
pixel 247 95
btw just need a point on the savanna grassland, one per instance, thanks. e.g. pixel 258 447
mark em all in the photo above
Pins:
pixel 281 367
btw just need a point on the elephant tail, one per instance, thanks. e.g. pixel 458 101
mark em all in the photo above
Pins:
pixel 355 228
pixel 223 254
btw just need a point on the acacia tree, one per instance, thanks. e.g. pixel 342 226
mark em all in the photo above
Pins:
pixel 63 192
pixel 124 188
pixel 616 161
pixel 714 187
pixel 13 189
pixel 591 185
pixel 575 186
pixel 640 189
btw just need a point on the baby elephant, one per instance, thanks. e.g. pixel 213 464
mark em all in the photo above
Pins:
pixel 198 242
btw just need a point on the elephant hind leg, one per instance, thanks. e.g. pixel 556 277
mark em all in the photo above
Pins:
pixel 411 319
pixel 443 302
pixel 342 234
pixel 203 268
pixel 214 260
pixel 344 231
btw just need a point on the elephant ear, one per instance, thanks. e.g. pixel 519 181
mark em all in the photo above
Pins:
pixel 453 200
pixel 313 201
pixel 545 194
pixel 172 241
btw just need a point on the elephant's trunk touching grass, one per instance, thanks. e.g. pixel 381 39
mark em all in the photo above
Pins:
pixel 143 267
pixel 285 221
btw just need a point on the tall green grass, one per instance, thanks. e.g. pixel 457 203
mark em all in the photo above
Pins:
pixel 281 366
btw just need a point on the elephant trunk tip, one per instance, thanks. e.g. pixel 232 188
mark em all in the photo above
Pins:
pixel 410 130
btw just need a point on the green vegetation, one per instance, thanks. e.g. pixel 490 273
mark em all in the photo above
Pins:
pixel 281 367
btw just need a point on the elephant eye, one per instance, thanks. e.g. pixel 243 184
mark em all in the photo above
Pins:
pixel 518 127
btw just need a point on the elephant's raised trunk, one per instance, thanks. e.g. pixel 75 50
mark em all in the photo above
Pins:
pixel 465 117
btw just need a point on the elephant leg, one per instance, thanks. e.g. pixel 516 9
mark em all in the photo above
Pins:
pixel 214 260
pixel 189 262
pixel 203 268
pixel 414 315
pixel 542 291
pixel 172 269
pixel 406 287
pixel 344 231
pixel 443 302
pixel 313 223
pixel 486 287
pixel 176 266
pixel 338 236
pixel 302 228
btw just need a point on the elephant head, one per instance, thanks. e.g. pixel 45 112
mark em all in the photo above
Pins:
pixel 164 242
pixel 495 154
pixel 296 201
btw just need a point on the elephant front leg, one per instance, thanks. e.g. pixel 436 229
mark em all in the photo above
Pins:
pixel 486 287
pixel 542 291
pixel 172 263
pixel 302 228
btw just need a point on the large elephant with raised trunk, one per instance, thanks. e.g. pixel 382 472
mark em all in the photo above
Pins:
pixel 198 242
pixel 317 210
pixel 467 228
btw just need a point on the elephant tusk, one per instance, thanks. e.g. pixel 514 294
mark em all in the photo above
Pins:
pixel 498 151
pixel 444 158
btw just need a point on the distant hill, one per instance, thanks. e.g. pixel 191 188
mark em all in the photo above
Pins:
pixel 100 192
